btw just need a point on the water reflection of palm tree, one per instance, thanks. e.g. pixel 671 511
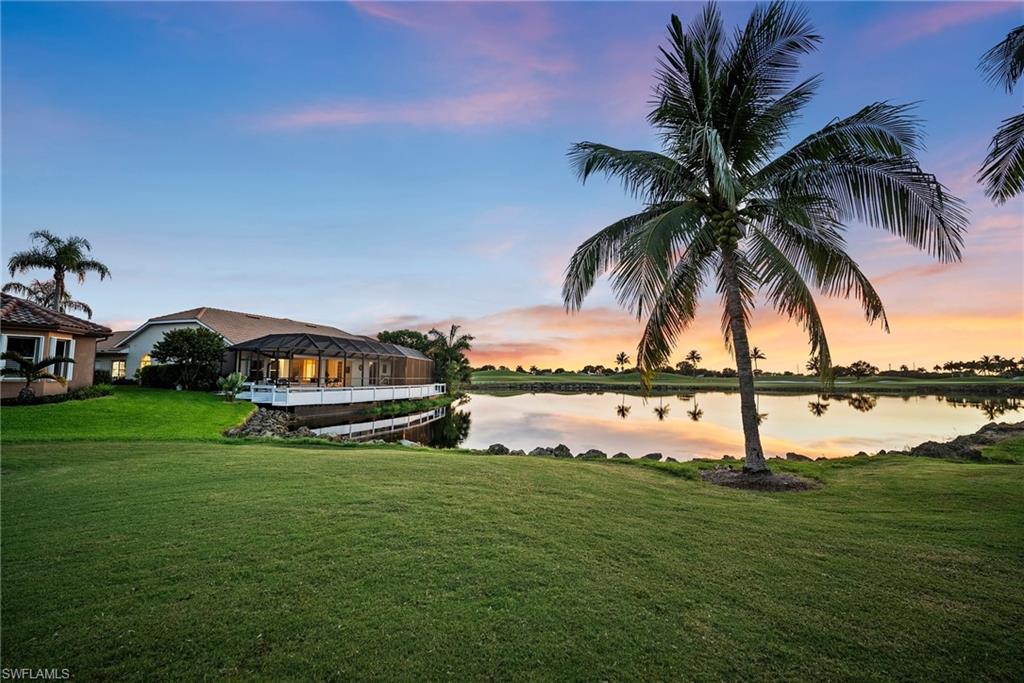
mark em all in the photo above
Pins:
pixel 863 402
pixel 696 414
pixel 818 408
pixel 759 416
pixel 451 430
pixel 622 410
pixel 662 410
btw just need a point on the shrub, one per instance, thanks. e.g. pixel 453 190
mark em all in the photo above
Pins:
pixel 101 377
pixel 80 394
pixel 195 353
pixel 231 385
pixel 168 376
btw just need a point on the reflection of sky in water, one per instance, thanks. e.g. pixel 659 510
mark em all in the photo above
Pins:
pixel 583 421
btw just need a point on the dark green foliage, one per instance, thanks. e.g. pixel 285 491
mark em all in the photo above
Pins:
pixel 412 339
pixel 194 353
pixel 79 394
pixel 101 377
pixel 1002 172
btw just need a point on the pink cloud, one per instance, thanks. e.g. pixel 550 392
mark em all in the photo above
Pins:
pixel 928 19
pixel 521 103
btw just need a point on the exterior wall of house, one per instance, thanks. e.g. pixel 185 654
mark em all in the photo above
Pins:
pixel 81 370
pixel 142 344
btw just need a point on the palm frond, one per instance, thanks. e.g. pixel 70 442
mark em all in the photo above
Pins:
pixel 27 260
pixel 674 308
pixel 646 256
pixel 1004 63
pixel 891 193
pixel 648 175
pixel 787 291
pixel 739 274
pixel 601 252
pixel 1002 173
pixel 86 266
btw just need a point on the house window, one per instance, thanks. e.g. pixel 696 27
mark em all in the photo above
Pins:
pixel 29 347
pixel 145 361
pixel 62 348
pixel 117 369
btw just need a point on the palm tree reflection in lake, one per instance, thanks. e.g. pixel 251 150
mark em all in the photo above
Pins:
pixel 839 424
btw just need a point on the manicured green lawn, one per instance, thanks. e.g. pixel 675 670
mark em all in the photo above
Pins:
pixel 131 414
pixel 482 379
pixel 151 561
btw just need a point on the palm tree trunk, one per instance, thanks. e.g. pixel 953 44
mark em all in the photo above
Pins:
pixel 58 290
pixel 754 455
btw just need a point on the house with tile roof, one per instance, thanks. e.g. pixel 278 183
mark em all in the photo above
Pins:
pixel 38 332
pixel 236 327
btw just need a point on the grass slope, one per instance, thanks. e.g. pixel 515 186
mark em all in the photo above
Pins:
pixel 131 414
pixel 810 384
pixel 154 561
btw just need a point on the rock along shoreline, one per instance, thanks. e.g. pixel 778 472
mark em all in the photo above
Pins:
pixel 265 423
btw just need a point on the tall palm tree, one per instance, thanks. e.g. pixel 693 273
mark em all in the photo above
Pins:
pixel 722 206
pixel 622 360
pixel 61 256
pixel 756 354
pixel 694 357
pixel 44 293
pixel 31 370
pixel 1002 172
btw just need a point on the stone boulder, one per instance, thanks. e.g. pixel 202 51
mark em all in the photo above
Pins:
pixel 497 449
pixel 728 457
pixel 652 456
pixel 561 451
pixel 798 457
pixel 620 456
pixel 592 454
pixel 540 450
pixel 518 451
pixel 670 459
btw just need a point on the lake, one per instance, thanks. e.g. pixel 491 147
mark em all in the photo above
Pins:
pixel 707 424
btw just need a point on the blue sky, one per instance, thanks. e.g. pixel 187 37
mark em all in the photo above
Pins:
pixel 372 165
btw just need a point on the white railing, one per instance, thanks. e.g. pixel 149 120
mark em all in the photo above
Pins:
pixel 286 397
pixel 382 426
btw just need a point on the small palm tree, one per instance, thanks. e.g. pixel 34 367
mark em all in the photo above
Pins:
pixel 231 385
pixel 622 410
pixel 696 414
pixel 44 293
pixel 721 205
pixel 32 371
pixel 622 360
pixel 756 354
pixel 1002 172
pixel 61 256
pixel 818 408
pixel 448 351
pixel 694 357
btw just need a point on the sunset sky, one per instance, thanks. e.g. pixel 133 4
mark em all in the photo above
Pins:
pixel 374 165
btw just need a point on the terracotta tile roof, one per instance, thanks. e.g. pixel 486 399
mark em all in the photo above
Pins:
pixel 109 344
pixel 23 313
pixel 238 327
